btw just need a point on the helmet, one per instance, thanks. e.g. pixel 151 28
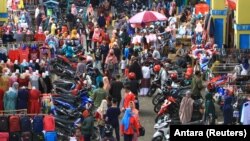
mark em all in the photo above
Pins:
pixel 108 129
pixel 131 75
pixel 157 68
pixel 173 76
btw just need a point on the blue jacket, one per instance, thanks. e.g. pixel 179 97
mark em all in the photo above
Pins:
pixel 68 51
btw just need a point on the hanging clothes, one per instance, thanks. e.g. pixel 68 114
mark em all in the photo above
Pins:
pixel 12 79
pixel 34 101
pixel 34 54
pixel 22 98
pixel 4 83
pixel 42 85
pixel 48 83
pixel 228 110
pixel 1 99
pixel 34 81
pixel 10 98
pixel 23 81
pixel 245 114
pixel 23 53
pixel 13 55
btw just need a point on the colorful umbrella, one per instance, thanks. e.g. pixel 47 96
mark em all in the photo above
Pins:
pixel 146 17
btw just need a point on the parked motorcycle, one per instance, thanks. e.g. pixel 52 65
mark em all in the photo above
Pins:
pixel 162 129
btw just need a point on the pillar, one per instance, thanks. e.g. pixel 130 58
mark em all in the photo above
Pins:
pixel 242 26
pixel 219 15
pixel 3 11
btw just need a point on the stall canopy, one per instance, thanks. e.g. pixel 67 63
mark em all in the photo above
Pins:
pixel 231 4
pixel 202 8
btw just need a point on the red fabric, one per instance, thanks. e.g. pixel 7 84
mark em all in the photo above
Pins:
pixel 13 55
pixel 34 54
pixel 1 99
pixel 4 136
pixel 232 4
pixel 23 54
pixel 201 8
pixel 23 82
pixel 14 123
pixel 40 37
pixel 129 97
pixel 34 101
pixel 132 125
pixel 48 123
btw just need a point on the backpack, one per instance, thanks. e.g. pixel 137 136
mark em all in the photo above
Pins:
pixel 25 124
pixel 4 136
pixel 38 136
pixel 48 123
pixel 50 136
pixel 15 136
pixel 4 126
pixel 37 124
pixel 14 124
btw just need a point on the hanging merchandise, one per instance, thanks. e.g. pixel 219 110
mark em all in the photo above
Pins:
pixel 22 98
pixel 38 124
pixel 245 115
pixel 4 124
pixel 4 136
pixel 49 123
pixel 25 124
pixel 51 136
pixel 201 8
pixel 15 136
pixel 14 122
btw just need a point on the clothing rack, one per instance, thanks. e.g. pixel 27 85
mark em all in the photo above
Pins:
pixel 19 110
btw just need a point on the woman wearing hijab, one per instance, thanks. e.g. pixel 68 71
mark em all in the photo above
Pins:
pixel 111 62
pixel 106 83
pixel 209 106
pixel 136 115
pixel 129 126
pixel 228 110
pixel 245 67
pixel 186 108
pixel 100 116
pixel 10 98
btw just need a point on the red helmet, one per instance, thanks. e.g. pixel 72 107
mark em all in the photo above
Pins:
pixel 131 75
pixel 173 76
pixel 157 68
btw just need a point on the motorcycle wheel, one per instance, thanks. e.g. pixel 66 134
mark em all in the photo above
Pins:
pixel 157 107
pixel 158 138
pixel 156 98
pixel 151 92
pixel 96 136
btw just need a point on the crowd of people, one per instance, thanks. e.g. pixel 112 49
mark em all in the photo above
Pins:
pixel 124 56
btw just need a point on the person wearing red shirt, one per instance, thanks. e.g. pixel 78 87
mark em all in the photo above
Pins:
pixel 129 125
pixel 78 135
pixel 34 101
pixel 129 96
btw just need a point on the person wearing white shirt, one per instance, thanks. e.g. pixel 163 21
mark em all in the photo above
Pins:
pixel 156 54
pixel 37 11
pixel 145 83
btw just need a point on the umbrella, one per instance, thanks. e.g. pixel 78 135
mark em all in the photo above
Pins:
pixel 146 17
pixel 202 8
